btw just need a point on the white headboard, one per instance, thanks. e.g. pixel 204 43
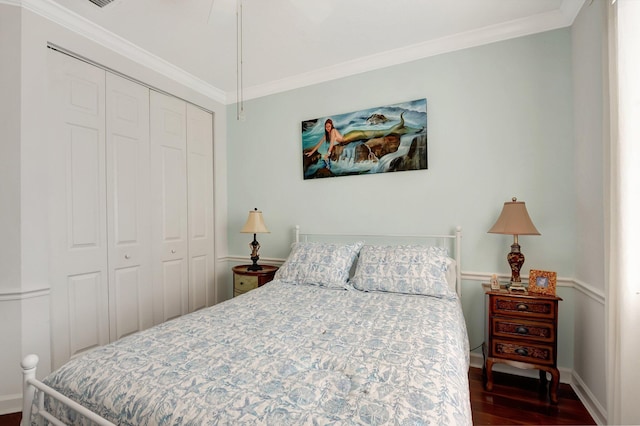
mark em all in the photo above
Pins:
pixel 449 241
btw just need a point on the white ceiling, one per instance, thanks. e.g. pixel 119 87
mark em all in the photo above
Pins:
pixel 292 43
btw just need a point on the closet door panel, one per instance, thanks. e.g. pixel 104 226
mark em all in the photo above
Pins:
pixel 83 188
pixel 173 194
pixel 126 287
pixel 128 210
pixel 199 281
pixel 84 301
pixel 173 271
pixel 169 206
pixel 78 240
pixel 200 183
pixel 125 188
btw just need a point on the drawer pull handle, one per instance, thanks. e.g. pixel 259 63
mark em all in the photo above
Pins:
pixel 522 330
pixel 522 307
pixel 522 352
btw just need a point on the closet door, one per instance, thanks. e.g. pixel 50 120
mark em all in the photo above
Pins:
pixel 169 206
pixel 77 206
pixel 127 151
pixel 200 184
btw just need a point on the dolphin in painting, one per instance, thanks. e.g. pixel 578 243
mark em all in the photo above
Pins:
pixel 398 129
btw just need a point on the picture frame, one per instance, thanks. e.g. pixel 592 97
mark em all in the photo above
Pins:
pixel 542 282
pixel 495 284
pixel 382 139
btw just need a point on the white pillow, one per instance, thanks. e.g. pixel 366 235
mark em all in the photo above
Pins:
pixel 321 264
pixel 409 269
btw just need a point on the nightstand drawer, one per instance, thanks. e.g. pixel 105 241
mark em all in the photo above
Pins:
pixel 244 283
pixel 532 308
pixel 523 352
pixel 523 329
pixel 246 279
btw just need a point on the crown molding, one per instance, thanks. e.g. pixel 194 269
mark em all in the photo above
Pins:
pixel 64 17
pixel 571 8
pixel 560 18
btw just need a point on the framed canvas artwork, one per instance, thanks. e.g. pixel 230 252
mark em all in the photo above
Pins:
pixel 383 139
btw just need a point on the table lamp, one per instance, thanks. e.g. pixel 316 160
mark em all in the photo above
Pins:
pixel 255 225
pixel 514 220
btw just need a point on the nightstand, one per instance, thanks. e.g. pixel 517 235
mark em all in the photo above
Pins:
pixel 523 333
pixel 245 280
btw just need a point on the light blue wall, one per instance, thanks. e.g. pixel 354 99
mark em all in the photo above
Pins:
pixel 589 50
pixel 499 125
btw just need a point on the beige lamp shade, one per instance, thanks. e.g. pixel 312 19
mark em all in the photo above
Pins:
pixel 514 220
pixel 255 223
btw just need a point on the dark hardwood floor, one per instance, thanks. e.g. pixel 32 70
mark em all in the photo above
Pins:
pixel 514 401
pixel 10 419
pixel 517 400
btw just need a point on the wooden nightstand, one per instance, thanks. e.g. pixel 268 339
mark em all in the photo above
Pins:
pixel 522 332
pixel 245 280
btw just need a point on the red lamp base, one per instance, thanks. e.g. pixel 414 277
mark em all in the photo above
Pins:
pixel 515 259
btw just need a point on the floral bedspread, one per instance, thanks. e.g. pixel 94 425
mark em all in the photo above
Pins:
pixel 284 354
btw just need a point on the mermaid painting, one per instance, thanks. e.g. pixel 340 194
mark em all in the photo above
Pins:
pixel 375 140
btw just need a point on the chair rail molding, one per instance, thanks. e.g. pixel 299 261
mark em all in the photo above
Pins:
pixel 8 295
pixel 584 288
pixel 588 290
pixel 245 259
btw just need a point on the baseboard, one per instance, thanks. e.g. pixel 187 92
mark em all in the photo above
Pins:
pixel 10 404
pixel 476 360
pixel 567 376
pixel 590 402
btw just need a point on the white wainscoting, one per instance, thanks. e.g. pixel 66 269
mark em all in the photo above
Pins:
pixel 23 312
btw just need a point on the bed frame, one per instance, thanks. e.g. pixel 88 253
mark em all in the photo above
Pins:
pixel 29 386
pixel 32 388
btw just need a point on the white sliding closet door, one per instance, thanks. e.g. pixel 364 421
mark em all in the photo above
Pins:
pixel 127 147
pixel 169 207
pixel 78 255
pixel 200 183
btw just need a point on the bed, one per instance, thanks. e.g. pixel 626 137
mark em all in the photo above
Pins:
pixel 347 333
